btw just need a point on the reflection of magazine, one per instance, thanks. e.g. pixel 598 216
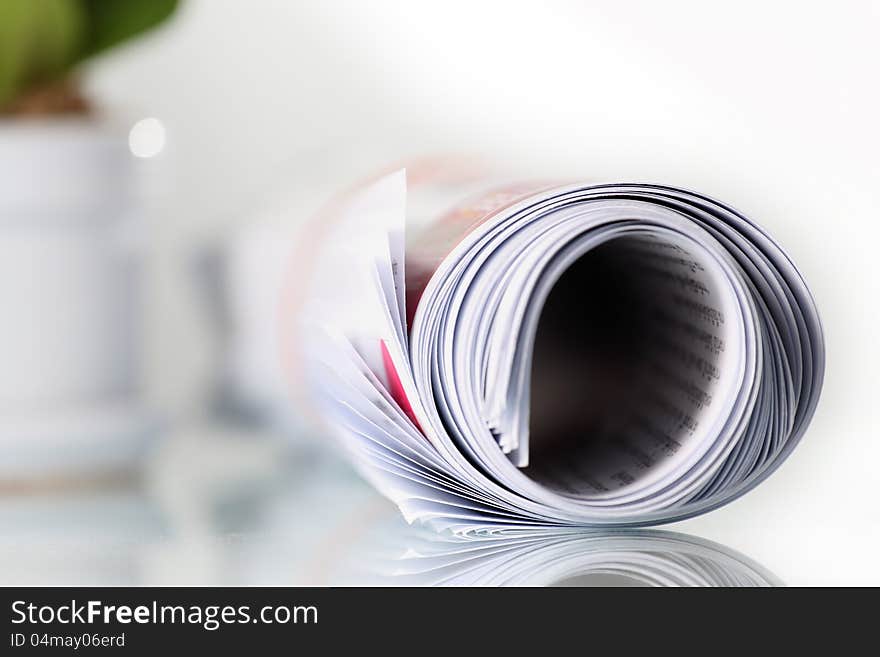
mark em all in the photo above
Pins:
pixel 574 354
pixel 570 557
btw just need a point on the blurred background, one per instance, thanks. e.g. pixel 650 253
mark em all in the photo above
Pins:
pixel 158 160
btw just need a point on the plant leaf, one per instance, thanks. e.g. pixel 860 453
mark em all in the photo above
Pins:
pixel 39 41
pixel 113 21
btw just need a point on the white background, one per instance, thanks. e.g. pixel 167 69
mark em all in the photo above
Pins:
pixel 772 107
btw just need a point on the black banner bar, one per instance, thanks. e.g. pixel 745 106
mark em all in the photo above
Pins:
pixel 154 619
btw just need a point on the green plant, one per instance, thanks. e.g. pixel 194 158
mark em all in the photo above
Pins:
pixel 42 41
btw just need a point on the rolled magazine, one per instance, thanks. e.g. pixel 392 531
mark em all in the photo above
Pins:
pixel 555 354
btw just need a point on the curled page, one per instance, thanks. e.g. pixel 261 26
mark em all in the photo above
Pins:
pixel 596 355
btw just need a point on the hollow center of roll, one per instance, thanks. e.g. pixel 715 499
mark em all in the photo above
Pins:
pixel 634 357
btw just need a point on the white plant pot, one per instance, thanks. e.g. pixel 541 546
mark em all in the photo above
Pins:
pixel 68 301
